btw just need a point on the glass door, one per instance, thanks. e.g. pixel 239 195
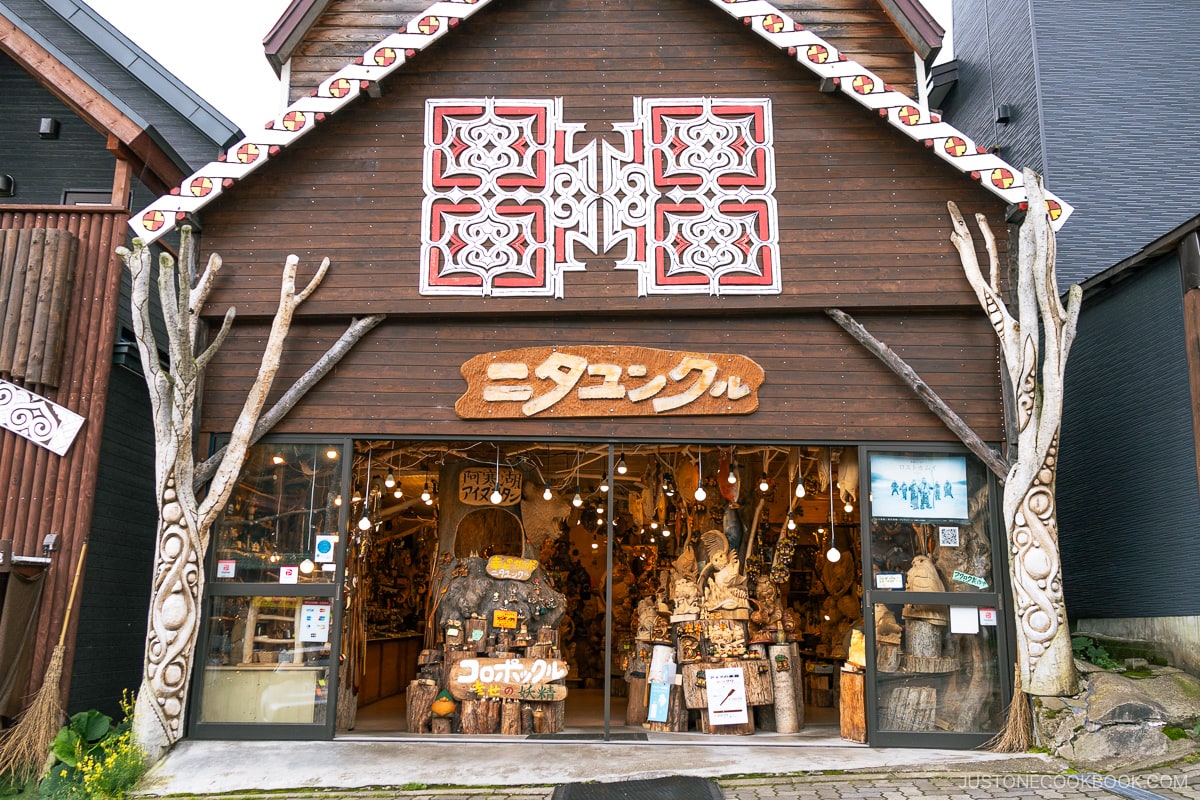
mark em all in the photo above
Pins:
pixel 939 668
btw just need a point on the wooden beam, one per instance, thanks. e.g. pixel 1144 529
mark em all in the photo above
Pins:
pixel 911 379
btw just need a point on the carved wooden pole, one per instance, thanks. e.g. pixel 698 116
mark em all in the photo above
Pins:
pixel 184 522
pixel 1044 653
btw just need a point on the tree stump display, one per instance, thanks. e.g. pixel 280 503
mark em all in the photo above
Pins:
pixel 782 662
pixel 496 623
pixel 853 713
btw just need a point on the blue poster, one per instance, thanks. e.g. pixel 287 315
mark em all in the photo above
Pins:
pixel 926 488
pixel 660 698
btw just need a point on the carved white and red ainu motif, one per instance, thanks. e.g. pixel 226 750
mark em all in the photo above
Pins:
pixel 511 191
pixel 393 52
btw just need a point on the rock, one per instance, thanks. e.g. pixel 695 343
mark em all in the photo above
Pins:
pixel 1117 699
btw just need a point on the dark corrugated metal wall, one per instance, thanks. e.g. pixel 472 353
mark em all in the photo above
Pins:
pixel 1128 508
pixel 47 493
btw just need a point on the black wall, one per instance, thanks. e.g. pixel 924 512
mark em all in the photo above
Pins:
pixel 43 168
pixel 1127 487
pixel 116 589
pixel 1119 127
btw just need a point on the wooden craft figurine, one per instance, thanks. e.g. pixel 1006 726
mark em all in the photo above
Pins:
pixel 767 617
pixel 723 585
pixel 923 577
pixel 685 593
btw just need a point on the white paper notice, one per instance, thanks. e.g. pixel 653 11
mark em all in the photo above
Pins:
pixel 314 622
pixel 726 696
pixel 289 574
pixel 964 619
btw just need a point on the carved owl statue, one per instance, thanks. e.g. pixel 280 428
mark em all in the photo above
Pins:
pixel 924 577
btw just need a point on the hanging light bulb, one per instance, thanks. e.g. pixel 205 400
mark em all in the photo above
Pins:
pixel 849 507
pixel 604 485
pixel 621 467
pixel 833 555
pixel 425 495
pixel 306 566
pixel 732 477
pixel 701 495
pixel 390 480
pixel 364 524
pixel 653 524
pixel 577 501
pixel 337 501
pixel 600 509
pixel 791 523
pixel 546 495
pixel 397 492
pixel 800 487
pixel 763 484
pixel 665 533
pixel 277 459
pixel 496 496
pixel 331 454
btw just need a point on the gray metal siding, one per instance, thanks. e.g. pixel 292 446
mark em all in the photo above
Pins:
pixel 116 590
pixel 993 46
pixel 43 168
pixel 1121 123
pixel 1128 504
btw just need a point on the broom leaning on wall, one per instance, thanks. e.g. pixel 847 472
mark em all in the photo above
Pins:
pixel 25 747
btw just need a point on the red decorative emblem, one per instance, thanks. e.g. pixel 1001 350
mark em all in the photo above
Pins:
pixel 772 23
pixel 293 120
pixel 1002 178
pixel 199 187
pixel 248 153
pixel 339 88
pixel 429 25
pixel 818 54
pixel 910 115
pixel 863 84
pixel 384 57
pixel 955 146
pixel 153 220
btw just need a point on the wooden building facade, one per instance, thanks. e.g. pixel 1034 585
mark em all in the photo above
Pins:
pixel 86 134
pixel 505 178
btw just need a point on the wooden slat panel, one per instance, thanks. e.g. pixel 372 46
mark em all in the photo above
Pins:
pixel 36 269
pixel 403 379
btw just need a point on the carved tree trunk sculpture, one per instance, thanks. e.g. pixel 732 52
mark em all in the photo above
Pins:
pixel 1035 370
pixel 185 521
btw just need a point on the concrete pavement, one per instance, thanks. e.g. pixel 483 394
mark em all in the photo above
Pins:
pixel 458 769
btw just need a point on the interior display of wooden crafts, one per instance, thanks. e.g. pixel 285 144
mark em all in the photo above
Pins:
pixel 738 578
pixel 929 677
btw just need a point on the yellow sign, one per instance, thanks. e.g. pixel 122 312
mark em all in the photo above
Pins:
pixel 511 568
pixel 620 381
pixel 504 619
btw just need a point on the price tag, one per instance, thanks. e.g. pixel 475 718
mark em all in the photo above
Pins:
pixel 504 619
pixel 889 580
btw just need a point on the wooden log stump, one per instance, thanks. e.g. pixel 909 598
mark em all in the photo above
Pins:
pixel 742 729
pixel 526 719
pixel 441 725
pixel 480 716
pixel 677 714
pixel 922 638
pixel 786 719
pixel 469 716
pixel 887 657
pixel 853 712
pixel 910 708
pixel 510 718
pixel 635 677
pixel 418 698
pixel 760 688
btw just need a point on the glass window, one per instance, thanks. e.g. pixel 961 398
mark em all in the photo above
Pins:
pixel 932 675
pixel 268 660
pixel 282 520
pixel 930 510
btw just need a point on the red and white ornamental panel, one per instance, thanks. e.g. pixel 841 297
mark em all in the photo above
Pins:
pixel 511 190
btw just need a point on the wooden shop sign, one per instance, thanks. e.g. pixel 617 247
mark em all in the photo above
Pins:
pixel 592 381
pixel 511 568
pixel 508 678
pixel 476 484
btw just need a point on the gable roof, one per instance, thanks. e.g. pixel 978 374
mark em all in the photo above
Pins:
pixel 113 84
pixel 836 73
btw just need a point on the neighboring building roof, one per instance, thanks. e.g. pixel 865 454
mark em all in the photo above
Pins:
pixel 103 62
pixel 835 71
pixel 1185 239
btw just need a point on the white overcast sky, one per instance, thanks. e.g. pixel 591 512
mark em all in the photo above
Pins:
pixel 215 47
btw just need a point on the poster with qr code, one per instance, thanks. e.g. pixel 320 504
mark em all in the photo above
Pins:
pixel 948 535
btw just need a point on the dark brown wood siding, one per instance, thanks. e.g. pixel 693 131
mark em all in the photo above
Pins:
pixel 859 28
pixel 862 208
pixel 48 493
pixel 403 378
